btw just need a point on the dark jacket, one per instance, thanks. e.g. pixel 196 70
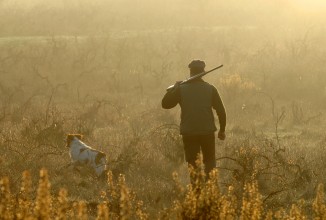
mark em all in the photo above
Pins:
pixel 196 100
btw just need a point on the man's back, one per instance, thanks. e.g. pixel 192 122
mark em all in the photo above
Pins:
pixel 197 99
pixel 196 108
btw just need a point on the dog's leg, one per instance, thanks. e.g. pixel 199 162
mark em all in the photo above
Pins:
pixel 59 170
pixel 77 164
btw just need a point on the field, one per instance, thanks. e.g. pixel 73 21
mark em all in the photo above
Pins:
pixel 92 69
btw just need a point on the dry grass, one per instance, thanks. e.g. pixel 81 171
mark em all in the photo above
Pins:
pixel 200 200
pixel 106 83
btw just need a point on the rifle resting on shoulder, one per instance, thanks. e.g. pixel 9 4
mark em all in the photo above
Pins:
pixel 195 77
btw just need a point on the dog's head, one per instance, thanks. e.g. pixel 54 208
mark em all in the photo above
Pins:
pixel 100 158
pixel 70 138
pixel 100 163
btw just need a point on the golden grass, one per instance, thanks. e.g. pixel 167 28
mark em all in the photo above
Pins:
pixel 200 200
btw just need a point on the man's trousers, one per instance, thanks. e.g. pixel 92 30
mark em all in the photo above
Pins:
pixel 193 144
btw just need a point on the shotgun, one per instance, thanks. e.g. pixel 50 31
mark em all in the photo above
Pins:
pixel 194 77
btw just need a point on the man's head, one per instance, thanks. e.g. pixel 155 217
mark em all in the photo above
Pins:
pixel 196 67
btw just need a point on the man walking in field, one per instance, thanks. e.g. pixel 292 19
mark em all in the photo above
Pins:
pixel 197 100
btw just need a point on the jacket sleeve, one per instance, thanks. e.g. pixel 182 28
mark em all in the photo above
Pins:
pixel 218 105
pixel 171 99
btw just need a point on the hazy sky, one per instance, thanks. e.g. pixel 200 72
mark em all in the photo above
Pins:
pixel 81 17
pixel 307 4
pixel 311 4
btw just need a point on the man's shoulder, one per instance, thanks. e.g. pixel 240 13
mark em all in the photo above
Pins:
pixel 213 89
pixel 198 84
pixel 211 86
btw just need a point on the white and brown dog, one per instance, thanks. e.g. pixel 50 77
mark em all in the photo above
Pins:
pixel 82 154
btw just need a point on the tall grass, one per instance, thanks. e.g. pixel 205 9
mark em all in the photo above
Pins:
pixel 200 200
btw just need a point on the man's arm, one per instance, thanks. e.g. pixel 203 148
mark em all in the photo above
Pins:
pixel 218 105
pixel 171 98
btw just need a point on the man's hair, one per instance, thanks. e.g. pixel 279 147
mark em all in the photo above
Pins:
pixel 197 66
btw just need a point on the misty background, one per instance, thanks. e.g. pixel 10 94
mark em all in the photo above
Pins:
pixel 101 67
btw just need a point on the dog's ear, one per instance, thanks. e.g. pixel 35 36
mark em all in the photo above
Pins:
pixel 79 136
pixel 70 137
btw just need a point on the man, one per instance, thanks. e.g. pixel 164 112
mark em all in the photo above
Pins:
pixel 197 99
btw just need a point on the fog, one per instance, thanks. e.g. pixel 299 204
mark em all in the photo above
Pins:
pixel 100 68
pixel 101 17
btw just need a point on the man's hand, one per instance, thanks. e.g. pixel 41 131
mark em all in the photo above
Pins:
pixel 177 84
pixel 221 135
pixel 175 87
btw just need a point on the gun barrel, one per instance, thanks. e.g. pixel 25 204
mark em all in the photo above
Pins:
pixel 195 77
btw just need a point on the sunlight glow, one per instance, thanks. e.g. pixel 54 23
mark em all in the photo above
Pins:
pixel 311 4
